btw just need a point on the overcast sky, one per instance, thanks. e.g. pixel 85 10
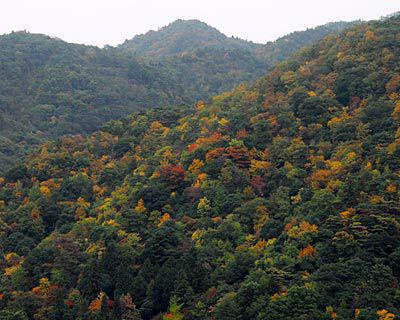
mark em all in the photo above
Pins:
pixel 101 22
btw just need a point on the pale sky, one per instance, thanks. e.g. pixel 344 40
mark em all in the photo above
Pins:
pixel 100 22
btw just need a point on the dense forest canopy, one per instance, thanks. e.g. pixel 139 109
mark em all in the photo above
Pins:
pixel 49 88
pixel 278 200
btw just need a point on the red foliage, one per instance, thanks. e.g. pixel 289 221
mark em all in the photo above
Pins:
pixel 110 303
pixel 258 184
pixel 192 147
pixel 173 175
pixel 69 303
pixel 212 292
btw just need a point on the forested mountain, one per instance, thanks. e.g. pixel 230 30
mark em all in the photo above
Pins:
pixel 182 36
pixel 49 88
pixel 284 47
pixel 278 200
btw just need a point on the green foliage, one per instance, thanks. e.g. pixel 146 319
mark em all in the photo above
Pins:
pixel 50 88
pixel 300 222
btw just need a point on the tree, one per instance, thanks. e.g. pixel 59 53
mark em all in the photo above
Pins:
pixel 174 310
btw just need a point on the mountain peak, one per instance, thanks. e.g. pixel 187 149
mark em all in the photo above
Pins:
pixel 178 37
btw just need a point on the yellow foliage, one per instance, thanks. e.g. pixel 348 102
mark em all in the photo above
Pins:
pixel 12 258
pixel 334 184
pixel 111 222
pixel 396 111
pixel 302 229
pixel 261 219
pixel 370 36
pixel 385 315
pixel 223 122
pixel 44 285
pixel 140 208
pixel 200 105
pixel 97 248
pixel 335 166
pixel 315 159
pixel 83 203
pixel 156 126
pixel 357 312
pixel 375 199
pixel 304 71
pixel 11 270
pixel 196 166
pixel 319 177
pixel 312 94
pixel 259 165
pixel 278 296
pixel 167 156
pixel 339 119
pixel 2 204
pixel 196 236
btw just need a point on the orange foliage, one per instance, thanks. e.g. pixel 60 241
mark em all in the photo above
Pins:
pixel 95 305
pixel 307 251
pixel 240 155
pixel 45 191
pixel 391 188
pixel 347 213
pixel 164 219
pixel 35 214
pixel 215 154
pixel 209 140
pixel 242 133
pixel 393 84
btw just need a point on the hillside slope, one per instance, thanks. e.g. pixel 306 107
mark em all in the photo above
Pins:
pixel 50 88
pixel 275 201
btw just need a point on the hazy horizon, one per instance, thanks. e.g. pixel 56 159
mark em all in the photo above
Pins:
pixel 112 22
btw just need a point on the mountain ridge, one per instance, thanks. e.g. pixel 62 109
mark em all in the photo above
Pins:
pixel 50 87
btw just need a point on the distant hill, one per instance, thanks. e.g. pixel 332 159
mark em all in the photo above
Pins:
pixel 182 36
pixel 49 88
pixel 285 46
